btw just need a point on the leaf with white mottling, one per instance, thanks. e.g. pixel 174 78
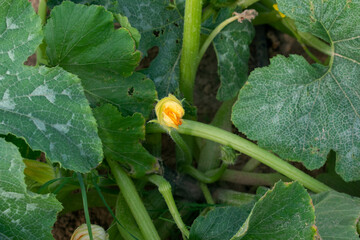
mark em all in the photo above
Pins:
pixel 23 214
pixel 46 106
pixel 231 46
pixel 302 111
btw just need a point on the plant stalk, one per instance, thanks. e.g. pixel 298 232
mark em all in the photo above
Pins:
pixel 165 190
pixel 248 178
pixel 242 145
pixel 134 202
pixel 190 47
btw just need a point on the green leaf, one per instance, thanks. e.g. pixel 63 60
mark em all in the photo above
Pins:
pixel 231 46
pixel 86 44
pixel 232 51
pixel 219 224
pixel 23 214
pixel 120 137
pixel 124 22
pixel 285 212
pixel 132 94
pixel 336 215
pixel 160 24
pixel 302 111
pixel 45 106
pixel 82 40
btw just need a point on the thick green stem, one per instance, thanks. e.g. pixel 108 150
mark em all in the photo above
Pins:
pixel 134 202
pixel 165 189
pixel 126 224
pixel 242 145
pixel 190 47
pixel 248 178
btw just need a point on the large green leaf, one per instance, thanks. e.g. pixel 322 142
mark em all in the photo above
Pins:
pixel 219 224
pixel 160 24
pixel 45 106
pixel 302 111
pixel 336 215
pixel 120 137
pixel 232 50
pixel 86 44
pixel 23 214
pixel 284 212
pixel 82 40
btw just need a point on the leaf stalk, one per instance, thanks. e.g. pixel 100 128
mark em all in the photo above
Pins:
pixel 134 202
pixel 165 190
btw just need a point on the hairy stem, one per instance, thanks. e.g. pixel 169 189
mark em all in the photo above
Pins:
pixel 242 145
pixel 134 202
pixel 190 47
pixel 165 189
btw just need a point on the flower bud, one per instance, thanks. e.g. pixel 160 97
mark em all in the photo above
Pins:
pixel 169 111
pixel 81 233
pixel 228 155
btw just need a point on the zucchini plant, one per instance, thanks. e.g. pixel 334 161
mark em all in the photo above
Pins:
pixel 85 126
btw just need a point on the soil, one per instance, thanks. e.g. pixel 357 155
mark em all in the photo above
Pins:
pixel 268 43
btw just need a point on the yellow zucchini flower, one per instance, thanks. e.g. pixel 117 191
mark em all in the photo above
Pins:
pixel 169 112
